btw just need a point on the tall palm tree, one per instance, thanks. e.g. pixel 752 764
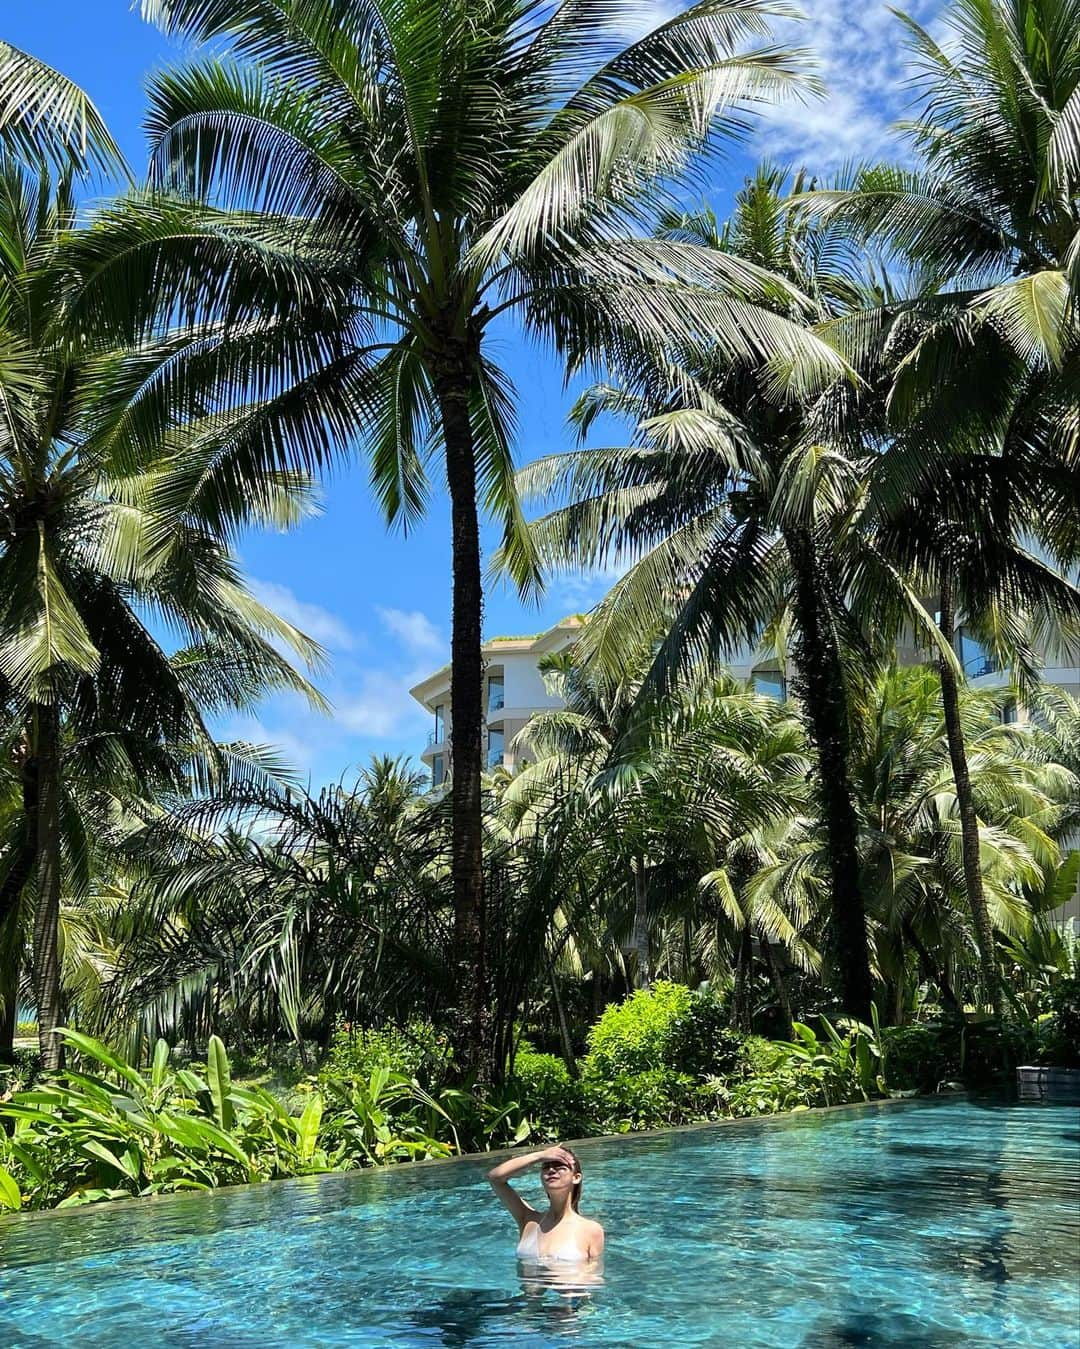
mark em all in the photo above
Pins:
pixel 988 389
pixel 742 512
pixel 410 174
pixel 87 553
pixel 914 830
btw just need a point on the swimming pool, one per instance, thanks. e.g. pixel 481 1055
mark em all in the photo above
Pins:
pixel 938 1223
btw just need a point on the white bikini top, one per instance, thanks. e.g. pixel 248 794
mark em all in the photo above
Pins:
pixel 528 1248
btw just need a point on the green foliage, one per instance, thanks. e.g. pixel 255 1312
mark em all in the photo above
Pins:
pixel 915 1058
pixel 387 1118
pixel 640 1033
pixel 657 1098
pixel 665 1026
pixel 834 1068
pixel 416 1050
pixel 108 1130
pixel 548 1095
pixel 1058 1031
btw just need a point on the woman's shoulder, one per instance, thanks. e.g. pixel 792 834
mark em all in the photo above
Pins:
pixel 591 1226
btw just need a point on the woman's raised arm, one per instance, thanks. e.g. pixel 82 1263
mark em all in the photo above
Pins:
pixel 499 1178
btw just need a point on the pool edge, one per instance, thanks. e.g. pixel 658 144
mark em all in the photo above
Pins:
pixel 153 1200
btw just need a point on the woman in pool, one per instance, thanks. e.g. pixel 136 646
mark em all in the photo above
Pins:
pixel 561 1235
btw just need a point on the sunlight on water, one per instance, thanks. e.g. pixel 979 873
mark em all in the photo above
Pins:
pixel 940 1223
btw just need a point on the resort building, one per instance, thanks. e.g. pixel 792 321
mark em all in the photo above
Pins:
pixel 514 692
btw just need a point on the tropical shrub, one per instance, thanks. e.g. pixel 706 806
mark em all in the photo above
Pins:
pixel 550 1098
pixel 665 1026
pixel 110 1131
pixel 416 1050
pixel 1061 1035
pixel 638 1034
pixel 387 1118
pixel 23 1071
pixel 657 1098
pixel 915 1058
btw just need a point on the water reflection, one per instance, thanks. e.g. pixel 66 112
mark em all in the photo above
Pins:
pixel 550 1304
pixel 569 1279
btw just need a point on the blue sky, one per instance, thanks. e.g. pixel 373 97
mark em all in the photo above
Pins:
pixel 379 602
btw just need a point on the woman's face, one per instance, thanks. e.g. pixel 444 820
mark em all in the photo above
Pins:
pixel 557 1177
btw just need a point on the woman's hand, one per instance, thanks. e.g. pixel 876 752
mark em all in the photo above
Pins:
pixel 556 1154
pixel 513 1166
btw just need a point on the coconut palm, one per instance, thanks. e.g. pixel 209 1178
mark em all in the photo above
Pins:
pixel 86 553
pixel 260 909
pixel 46 119
pixel 668 793
pixel 989 217
pixel 389 185
pixel 741 511
pixel 914 837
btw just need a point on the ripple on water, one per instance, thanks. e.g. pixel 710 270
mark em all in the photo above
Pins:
pixel 929 1224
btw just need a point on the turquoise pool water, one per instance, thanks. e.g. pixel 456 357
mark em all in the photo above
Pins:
pixel 942 1223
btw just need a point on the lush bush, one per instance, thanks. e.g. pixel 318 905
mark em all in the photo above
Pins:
pixel 665 1026
pixel 23 1071
pixel 417 1050
pixel 916 1058
pixel 109 1130
pixel 547 1096
pixel 638 1034
pixel 703 1042
pixel 974 1050
pixel 1060 1034
pixel 654 1099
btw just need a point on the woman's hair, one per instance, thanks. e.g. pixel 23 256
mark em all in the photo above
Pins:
pixel 575 1195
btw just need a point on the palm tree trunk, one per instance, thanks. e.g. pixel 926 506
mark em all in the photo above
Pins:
pixel 565 1038
pixel 965 804
pixel 639 940
pixel 452 381
pixel 9 990
pixel 740 1000
pixel 776 978
pixel 46 936
pixel 940 975
pixel 821 683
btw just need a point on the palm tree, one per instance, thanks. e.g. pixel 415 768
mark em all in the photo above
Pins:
pixel 46 119
pixel 914 831
pixel 668 793
pixel 415 175
pixel 86 552
pixel 987 390
pixel 742 512
pixel 330 905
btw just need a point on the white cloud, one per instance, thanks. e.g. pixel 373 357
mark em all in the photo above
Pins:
pixel 312 619
pixel 297 748
pixel 380 706
pixel 862 56
pixel 575 592
pixel 414 630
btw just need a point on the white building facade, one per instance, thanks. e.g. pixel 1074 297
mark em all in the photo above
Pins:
pixel 514 692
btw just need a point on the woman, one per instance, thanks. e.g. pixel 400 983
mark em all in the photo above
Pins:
pixel 561 1235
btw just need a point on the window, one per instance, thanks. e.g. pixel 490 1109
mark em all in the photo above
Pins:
pixel 770 684
pixel 495 749
pixel 973 656
pixel 438 770
pixel 440 724
pixel 495 694
pixel 1009 712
